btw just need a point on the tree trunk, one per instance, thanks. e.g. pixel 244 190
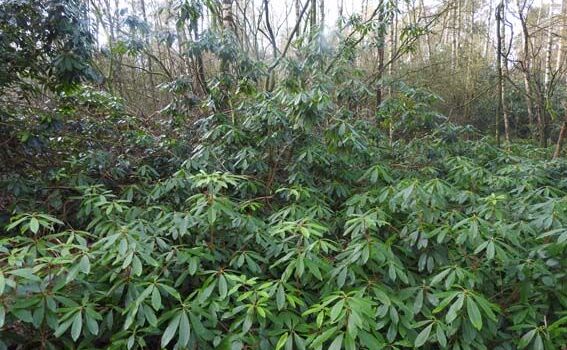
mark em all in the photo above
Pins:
pixel 227 26
pixel 200 67
pixel 489 25
pixel 499 10
pixel 526 64
pixel 313 17
pixel 454 39
pixel 227 16
pixel 322 14
pixel 381 46
pixel 560 139
pixel 548 77
pixel 504 73
pixel 562 33
pixel 393 47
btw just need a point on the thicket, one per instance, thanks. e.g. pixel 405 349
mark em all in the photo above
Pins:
pixel 284 218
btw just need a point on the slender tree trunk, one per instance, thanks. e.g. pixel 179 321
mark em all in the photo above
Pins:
pixel 313 17
pixel 427 35
pixel 547 77
pixel 228 26
pixel 271 35
pixel 560 139
pixel 298 14
pixel 270 80
pixel 499 10
pixel 393 47
pixel 381 46
pixel 489 26
pixel 459 31
pixel 148 44
pixel 562 33
pixel 526 64
pixel 200 67
pixel 503 74
pixel 322 14
pixel 454 38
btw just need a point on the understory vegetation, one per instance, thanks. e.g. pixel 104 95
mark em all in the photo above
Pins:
pixel 289 225
pixel 270 212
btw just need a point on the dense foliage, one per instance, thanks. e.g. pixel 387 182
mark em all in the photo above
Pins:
pixel 292 225
pixel 47 41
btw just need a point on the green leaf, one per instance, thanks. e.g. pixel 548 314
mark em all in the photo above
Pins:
pixel 2 315
pixel 441 337
pixel 474 314
pixel 455 307
pixel 282 341
pixel 85 265
pixel 490 250
pixel 481 247
pixel 349 342
pixel 170 330
pixel 171 291
pixel 184 330
pixel 443 304
pixel 538 342
pixel 156 299
pixel 323 337
pixel 337 343
pixel 198 327
pixel 526 338
pixel 423 336
pixel 26 273
pixel 418 303
pixel 370 341
pixel 2 283
pixel 34 225
pixel 92 325
pixel 24 315
pixel 223 288
pixel 336 310
pixel 280 297
pixel 77 326
pixel 62 328
pixel 136 266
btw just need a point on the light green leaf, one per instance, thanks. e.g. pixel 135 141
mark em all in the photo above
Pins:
pixel 92 325
pixel 62 328
pixel 2 315
pixel 280 297
pixel 77 326
pixel 34 225
pixel 441 337
pixel 85 265
pixel 2 282
pixel 526 338
pixel 455 307
pixel 156 299
pixel 423 336
pixel 184 330
pixel 337 343
pixel 170 330
pixel 26 273
pixel 490 250
pixel 223 288
pixel 474 314
pixel 336 310
pixel 282 341
pixel 538 342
